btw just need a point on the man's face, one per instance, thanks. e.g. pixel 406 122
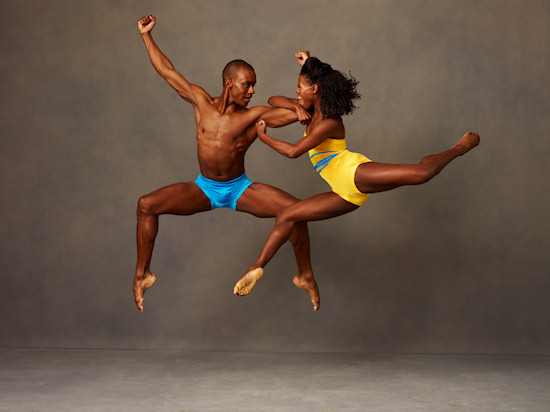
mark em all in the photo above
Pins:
pixel 242 87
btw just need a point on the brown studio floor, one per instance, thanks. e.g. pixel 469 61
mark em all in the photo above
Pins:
pixel 169 380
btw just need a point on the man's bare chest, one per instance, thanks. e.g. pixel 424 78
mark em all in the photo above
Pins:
pixel 223 130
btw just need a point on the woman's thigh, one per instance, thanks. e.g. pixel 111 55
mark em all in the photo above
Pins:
pixel 375 177
pixel 318 207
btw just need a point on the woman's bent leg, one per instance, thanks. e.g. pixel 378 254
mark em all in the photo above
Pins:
pixel 319 207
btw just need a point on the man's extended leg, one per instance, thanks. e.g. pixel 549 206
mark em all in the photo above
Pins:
pixel 177 199
pixel 262 200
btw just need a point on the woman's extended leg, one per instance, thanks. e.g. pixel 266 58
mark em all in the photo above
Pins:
pixel 375 177
pixel 369 178
pixel 319 207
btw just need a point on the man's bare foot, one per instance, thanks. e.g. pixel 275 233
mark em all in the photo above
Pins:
pixel 467 142
pixel 247 282
pixel 140 286
pixel 310 286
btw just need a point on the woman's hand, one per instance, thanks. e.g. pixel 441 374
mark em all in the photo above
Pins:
pixel 302 56
pixel 303 115
pixel 261 126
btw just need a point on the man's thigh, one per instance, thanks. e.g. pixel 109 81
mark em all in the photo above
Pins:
pixel 177 199
pixel 263 200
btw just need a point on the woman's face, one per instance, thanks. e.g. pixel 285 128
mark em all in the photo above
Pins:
pixel 306 91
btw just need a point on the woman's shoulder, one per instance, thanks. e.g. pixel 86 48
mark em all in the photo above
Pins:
pixel 329 127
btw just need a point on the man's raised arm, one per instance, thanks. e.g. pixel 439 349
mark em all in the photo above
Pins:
pixel 291 104
pixel 161 63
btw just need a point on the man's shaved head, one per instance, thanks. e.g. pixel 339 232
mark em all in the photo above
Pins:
pixel 230 70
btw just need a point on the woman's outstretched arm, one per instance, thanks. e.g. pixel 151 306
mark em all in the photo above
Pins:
pixel 314 138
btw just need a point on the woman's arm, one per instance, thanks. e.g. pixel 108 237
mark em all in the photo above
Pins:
pixel 314 138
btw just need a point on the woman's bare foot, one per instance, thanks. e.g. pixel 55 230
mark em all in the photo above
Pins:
pixel 467 142
pixel 140 286
pixel 310 286
pixel 247 282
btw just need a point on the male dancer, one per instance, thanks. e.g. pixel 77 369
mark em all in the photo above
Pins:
pixel 225 130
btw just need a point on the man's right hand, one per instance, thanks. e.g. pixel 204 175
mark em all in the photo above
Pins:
pixel 146 24
pixel 302 56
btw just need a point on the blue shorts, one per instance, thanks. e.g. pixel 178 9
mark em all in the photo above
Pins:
pixel 223 194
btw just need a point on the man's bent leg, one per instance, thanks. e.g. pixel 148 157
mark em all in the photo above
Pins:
pixel 262 200
pixel 176 199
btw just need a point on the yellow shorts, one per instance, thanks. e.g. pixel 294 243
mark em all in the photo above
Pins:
pixel 339 173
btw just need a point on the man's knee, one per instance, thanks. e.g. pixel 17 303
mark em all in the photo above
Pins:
pixel 145 205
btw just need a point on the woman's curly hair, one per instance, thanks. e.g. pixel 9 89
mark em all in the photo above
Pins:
pixel 337 91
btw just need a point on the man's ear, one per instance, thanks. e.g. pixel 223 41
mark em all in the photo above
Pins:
pixel 228 82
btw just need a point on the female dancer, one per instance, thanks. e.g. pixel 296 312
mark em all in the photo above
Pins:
pixel 324 96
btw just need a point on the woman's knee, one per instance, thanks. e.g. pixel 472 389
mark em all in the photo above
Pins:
pixel 423 174
pixel 285 216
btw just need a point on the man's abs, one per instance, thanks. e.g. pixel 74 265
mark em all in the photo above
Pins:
pixel 222 164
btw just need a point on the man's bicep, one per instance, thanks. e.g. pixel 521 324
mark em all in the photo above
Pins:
pixel 257 112
pixel 181 85
pixel 279 117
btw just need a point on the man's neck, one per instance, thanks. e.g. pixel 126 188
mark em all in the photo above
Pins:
pixel 225 106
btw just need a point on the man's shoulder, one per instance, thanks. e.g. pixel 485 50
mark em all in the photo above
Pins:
pixel 200 91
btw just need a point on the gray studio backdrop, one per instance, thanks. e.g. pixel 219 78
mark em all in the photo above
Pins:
pixel 459 265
